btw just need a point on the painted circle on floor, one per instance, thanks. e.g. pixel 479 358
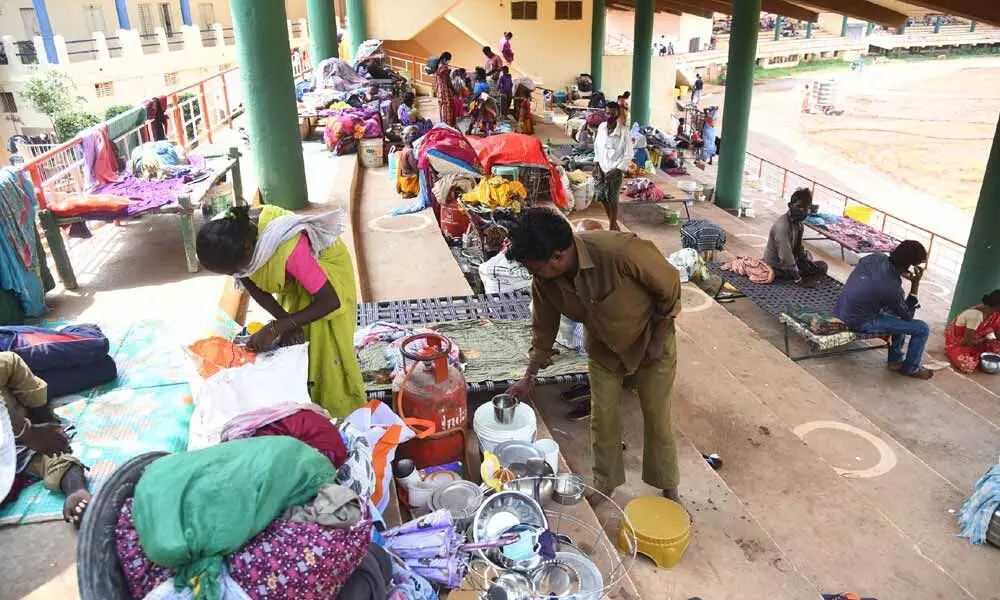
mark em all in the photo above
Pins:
pixel 887 458
pixel 936 289
pixel 400 223
pixel 694 300
pixel 761 240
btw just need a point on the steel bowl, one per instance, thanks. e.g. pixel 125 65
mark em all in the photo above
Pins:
pixel 503 510
pixel 568 489
pixel 533 479
pixel 989 362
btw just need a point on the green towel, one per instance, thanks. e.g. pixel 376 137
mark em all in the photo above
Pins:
pixel 193 508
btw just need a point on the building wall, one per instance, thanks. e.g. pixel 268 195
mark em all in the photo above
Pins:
pixel 617 77
pixel 408 18
pixel 620 24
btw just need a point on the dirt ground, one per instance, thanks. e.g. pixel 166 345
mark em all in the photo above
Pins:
pixel 913 139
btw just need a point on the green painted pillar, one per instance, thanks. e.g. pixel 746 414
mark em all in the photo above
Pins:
pixel 597 16
pixel 777 28
pixel 736 110
pixel 642 61
pixel 972 26
pixel 322 30
pixel 264 58
pixel 356 28
pixel 937 24
pixel 902 29
pixel 843 27
pixel 809 30
pixel 981 265
pixel 870 28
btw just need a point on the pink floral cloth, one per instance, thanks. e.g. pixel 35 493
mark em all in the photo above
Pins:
pixel 305 561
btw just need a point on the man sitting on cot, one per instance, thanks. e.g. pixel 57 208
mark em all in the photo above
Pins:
pixel 42 447
pixel 784 252
pixel 873 301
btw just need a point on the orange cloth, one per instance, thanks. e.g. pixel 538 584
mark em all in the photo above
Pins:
pixel 218 353
pixel 74 205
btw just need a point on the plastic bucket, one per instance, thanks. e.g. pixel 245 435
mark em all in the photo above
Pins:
pixel 490 433
pixel 371 153
pixel 859 213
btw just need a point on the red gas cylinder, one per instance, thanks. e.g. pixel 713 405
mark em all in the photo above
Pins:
pixel 433 394
pixel 454 221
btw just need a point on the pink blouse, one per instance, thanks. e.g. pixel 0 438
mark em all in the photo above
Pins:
pixel 303 267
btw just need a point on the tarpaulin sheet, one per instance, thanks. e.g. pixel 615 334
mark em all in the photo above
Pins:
pixel 517 148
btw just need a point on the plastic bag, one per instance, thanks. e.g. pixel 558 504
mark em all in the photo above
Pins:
pixel 384 431
pixel 275 377
pixel 571 335
pixel 501 275
pixel 394 156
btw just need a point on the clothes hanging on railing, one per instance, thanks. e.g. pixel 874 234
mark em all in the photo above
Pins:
pixel 156 112
pixel 99 162
pixel 20 260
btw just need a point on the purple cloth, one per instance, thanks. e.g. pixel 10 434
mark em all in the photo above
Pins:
pixel 145 195
pixel 244 425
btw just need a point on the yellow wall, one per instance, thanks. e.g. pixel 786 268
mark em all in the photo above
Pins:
pixel 552 51
pixel 617 77
pixel 402 19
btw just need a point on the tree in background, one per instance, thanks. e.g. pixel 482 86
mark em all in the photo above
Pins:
pixel 52 94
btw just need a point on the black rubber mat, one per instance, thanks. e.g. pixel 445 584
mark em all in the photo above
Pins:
pixel 500 307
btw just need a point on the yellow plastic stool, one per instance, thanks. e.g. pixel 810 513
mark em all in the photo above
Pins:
pixel 661 529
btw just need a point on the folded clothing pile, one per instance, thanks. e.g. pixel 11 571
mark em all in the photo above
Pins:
pixel 817 321
pixel 69 360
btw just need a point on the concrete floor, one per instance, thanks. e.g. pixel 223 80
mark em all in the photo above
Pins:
pixel 798 508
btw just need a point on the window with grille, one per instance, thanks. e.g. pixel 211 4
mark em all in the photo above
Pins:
pixel 7 103
pixel 524 11
pixel 146 22
pixel 569 11
pixel 104 89
pixel 171 79
pixel 166 18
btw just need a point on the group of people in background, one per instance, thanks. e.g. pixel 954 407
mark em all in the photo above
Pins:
pixel 873 300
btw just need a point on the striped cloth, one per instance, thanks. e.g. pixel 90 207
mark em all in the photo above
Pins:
pixel 703 235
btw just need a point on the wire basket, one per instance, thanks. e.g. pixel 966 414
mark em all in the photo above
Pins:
pixel 578 531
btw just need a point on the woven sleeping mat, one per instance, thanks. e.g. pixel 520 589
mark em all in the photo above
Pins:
pixel 495 354
pixel 512 306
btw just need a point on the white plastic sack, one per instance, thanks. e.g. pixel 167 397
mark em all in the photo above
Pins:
pixel 685 261
pixel 583 194
pixel 566 186
pixel 501 275
pixel 276 377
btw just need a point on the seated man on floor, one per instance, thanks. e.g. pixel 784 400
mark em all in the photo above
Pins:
pixel 784 252
pixel 42 448
pixel 873 301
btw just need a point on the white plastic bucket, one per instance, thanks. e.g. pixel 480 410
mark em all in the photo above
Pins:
pixel 490 432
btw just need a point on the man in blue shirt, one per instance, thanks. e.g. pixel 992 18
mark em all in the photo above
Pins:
pixel 873 301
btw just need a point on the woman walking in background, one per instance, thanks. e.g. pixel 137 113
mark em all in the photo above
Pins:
pixel 505 48
pixel 443 90
pixel 973 332
pixel 297 268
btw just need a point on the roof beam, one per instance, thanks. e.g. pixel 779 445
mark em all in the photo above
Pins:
pixel 787 9
pixel 860 9
pixel 979 10
pixel 698 8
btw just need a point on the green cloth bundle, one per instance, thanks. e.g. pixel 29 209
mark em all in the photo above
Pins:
pixel 193 508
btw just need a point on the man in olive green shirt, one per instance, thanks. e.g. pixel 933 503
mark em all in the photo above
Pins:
pixel 627 296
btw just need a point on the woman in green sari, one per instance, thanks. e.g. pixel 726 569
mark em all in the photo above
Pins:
pixel 298 269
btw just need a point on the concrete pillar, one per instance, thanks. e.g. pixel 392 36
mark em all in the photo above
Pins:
pixel 981 266
pixel 101 46
pixel 45 32
pixel 736 111
pixel 843 27
pixel 322 30
pixel 356 29
pixel 264 56
pixel 186 12
pixel 642 61
pixel 121 7
pixel 777 28
pixel 597 16
pixel 809 30
pixel 972 26
pixel 191 36
pixel 937 24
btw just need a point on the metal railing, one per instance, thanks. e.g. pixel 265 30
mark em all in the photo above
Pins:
pixel 945 255
pixel 409 64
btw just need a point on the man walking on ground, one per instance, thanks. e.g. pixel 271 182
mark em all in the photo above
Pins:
pixel 627 296
pixel 784 252
pixel 612 153
pixel 873 301
pixel 699 85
